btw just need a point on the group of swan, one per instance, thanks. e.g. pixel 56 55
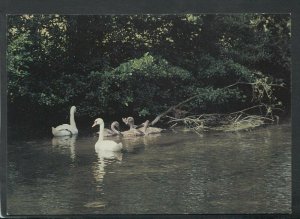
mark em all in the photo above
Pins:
pixel 144 130
pixel 101 144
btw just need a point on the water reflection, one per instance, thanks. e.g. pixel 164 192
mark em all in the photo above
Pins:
pixel 151 139
pixel 105 158
pixel 66 142
pixel 239 172
pixel 138 143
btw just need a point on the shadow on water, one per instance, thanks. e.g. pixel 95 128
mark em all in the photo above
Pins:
pixel 173 172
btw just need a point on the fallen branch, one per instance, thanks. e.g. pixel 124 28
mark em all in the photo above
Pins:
pixel 183 102
pixel 261 88
pixel 239 120
pixel 171 109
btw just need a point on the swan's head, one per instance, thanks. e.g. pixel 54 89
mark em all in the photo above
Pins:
pixel 125 120
pixel 98 121
pixel 130 120
pixel 146 123
pixel 73 109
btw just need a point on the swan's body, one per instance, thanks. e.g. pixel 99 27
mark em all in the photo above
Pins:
pixel 153 130
pixel 150 130
pixel 113 131
pixel 132 133
pixel 66 129
pixel 146 130
pixel 108 145
pixel 105 145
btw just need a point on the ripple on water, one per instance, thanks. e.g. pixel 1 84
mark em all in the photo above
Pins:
pixel 95 204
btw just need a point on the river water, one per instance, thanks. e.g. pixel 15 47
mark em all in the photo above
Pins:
pixel 176 172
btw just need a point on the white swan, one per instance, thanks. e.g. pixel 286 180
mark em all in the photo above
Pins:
pixel 67 129
pixel 105 145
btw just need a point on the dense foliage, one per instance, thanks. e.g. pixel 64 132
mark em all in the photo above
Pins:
pixel 139 65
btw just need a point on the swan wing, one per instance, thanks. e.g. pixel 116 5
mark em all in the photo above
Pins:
pixel 132 132
pixel 153 130
pixel 63 126
pixel 63 130
pixel 108 132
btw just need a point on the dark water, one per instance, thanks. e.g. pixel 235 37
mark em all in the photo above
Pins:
pixel 175 172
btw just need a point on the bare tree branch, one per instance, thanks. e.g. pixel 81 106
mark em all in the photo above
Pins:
pixel 170 109
pixel 181 103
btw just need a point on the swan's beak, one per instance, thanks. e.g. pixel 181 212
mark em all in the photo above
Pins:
pixel 94 124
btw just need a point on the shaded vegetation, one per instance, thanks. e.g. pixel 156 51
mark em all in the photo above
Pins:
pixel 140 65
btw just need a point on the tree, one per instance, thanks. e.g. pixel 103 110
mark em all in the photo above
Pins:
pixel 55 61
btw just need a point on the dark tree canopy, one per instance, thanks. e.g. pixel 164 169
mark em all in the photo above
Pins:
pixel 140 65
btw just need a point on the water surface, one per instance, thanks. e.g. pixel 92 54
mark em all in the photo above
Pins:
pixel 175 172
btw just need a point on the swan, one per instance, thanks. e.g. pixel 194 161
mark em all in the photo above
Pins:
pixel 66 129
pixel 105 145
pixel 150 130
pixel 132 132
pixel 145 129
pixel 113 131
pixel 129 121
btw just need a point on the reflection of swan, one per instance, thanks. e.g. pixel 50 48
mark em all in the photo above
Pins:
pixel 113 131
pixel 109 155
pixel 107 145
pixel 133 144
pixel 104 158
pixel 151 139
pixel 64 141
pixel 137 144
pixel 67 129
pixel 132 132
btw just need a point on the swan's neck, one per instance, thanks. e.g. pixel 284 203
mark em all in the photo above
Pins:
pixel 146 125
pixel 72 119
pixel 101 132
pixel 131 125
pixel 114 129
